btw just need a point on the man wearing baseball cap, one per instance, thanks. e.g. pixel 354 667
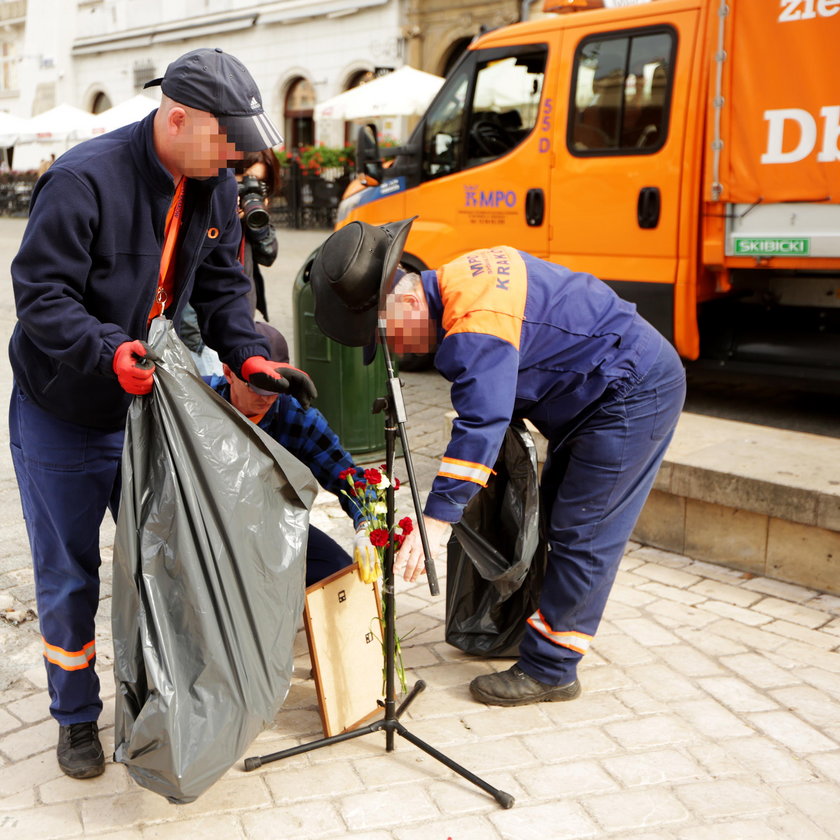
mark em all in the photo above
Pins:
pixel 123 228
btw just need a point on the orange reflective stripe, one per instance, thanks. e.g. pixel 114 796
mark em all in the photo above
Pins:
pixel 167 261
pixel 571 639
pixel 69 660
pixel 465 471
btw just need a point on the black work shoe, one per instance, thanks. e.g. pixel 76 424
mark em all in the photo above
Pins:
pixel 516 688
pixel 79 751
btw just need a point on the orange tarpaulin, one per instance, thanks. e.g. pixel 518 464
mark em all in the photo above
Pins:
pixel 781 119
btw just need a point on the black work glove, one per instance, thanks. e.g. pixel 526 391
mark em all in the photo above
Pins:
pixel 279 378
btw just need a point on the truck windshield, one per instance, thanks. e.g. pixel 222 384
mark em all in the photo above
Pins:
pixel 488 107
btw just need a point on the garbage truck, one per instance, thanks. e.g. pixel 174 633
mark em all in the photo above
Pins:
pixel 686 152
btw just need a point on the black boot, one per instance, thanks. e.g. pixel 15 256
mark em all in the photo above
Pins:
pixel 79 751
pixel 516 688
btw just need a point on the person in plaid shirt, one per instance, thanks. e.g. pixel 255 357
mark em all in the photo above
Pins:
pixel 308 436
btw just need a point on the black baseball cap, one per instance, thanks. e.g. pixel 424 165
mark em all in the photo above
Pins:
pixel 213 81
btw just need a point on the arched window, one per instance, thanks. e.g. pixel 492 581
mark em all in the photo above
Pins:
pixel 453 54
pixel 360 77
pixel 297 115
pixel 101 102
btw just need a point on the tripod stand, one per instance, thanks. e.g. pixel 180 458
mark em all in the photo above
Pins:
pixel 390 724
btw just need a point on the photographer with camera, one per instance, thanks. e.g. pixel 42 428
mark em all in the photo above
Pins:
pixel 258 175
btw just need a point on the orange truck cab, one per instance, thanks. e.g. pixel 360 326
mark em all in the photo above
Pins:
pixel 687 152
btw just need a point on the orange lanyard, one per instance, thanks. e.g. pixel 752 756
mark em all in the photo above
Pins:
pixel 167 262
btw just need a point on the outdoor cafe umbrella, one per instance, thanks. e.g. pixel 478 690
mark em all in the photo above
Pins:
pixel 57 124
pixel 404 92
pixel 49 134
pixel 128 111
pixel 11 127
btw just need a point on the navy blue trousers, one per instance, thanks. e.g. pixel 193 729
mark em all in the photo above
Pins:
pixel 594 485
pixel 68 477
pixel 324 556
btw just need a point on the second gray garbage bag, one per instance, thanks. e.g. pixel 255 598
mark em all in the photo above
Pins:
pixel 496 557
pixel 209 565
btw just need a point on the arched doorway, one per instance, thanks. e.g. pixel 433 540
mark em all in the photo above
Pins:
pixel 453 54
pixel 101 102
pixel 297 114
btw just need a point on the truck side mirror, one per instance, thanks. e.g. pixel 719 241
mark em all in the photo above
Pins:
pixel 368 161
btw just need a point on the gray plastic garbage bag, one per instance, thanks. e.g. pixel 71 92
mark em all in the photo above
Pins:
pixel 209 564
pixel 496 557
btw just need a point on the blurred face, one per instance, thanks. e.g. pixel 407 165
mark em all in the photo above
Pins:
pixel 244 398
pixel 406 314
pixel 192 143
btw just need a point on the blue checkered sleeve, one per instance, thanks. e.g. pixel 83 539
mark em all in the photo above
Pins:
pixel 308 436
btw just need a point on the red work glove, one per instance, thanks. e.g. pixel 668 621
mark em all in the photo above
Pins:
pixel 279 378
pixel 134 367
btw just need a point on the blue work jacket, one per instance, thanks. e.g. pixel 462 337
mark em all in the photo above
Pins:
pixel 87 272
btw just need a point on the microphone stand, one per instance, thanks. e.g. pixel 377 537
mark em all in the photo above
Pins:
pixel 395 417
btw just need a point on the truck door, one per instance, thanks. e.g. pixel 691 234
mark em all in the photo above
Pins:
pixel 483 180
pixel 620 170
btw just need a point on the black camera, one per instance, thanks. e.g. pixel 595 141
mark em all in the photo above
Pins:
pixel 252 191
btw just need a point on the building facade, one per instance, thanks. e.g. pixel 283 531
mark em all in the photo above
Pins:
pixel 97 53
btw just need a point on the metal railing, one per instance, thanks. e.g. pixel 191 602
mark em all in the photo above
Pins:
pixel 15 192
pixel 308 200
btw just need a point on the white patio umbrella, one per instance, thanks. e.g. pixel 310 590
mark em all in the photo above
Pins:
pixel 57 124
pixel 404 92
pixel 129 111
pixel 11 128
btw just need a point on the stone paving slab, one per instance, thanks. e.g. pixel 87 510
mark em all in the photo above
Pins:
pixel 710 711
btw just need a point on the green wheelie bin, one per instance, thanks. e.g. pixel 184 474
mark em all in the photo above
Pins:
pixel 346 386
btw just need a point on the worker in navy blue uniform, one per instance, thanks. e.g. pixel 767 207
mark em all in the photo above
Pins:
pixel 307 435
pixel 122 228
pixel 519 337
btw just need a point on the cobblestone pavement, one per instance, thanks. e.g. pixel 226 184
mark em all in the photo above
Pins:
pixel 710 710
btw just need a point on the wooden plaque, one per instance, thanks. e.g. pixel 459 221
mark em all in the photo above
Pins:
pixel 342 618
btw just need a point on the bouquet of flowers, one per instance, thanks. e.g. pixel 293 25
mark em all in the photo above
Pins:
pixel 367 492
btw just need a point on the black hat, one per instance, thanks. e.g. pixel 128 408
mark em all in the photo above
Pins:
pixel 278 347
pixel 211 80
pixel 352 270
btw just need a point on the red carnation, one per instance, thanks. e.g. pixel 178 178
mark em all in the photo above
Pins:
pixel 379 537
pixel 344 473
pixel 396 483
pixel 373 476
pixel 359 485
pixel 407 525
pixel 399 539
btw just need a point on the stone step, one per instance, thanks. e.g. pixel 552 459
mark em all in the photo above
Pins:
pixel 761 500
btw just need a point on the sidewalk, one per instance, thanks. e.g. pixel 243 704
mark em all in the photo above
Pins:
pixel 710 707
